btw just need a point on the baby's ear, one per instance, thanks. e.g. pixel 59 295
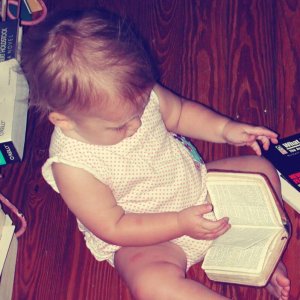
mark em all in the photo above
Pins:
pixel 60 120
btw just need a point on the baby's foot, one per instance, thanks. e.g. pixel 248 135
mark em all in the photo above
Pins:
pixel 279 284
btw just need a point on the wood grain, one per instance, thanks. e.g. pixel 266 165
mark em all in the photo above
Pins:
pixel 241 57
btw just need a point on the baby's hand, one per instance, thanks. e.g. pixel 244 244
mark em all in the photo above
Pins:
pixel 241 134
pixel 192 223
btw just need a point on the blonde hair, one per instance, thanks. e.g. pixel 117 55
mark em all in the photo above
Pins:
pixel 72 59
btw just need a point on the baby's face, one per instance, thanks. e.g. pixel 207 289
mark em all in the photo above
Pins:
pixel 110 126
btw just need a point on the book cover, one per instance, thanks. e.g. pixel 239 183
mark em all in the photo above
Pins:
pixel 285 156
pixel 8 39
pixel 249 251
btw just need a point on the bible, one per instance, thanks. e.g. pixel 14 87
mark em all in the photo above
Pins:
pixel 250 250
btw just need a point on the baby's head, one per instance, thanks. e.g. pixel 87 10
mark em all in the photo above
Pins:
pixel 85 61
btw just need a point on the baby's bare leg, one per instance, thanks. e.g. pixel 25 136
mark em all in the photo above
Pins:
pixel 279 284
pixel 249 163
pixel 158 272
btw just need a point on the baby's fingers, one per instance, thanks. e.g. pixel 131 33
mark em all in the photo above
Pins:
pixel 256 148
pixel 266 141
pixel 209 226
pixel 216 233
pixel 261 131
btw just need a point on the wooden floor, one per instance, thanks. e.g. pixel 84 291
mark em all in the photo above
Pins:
pixel 240 57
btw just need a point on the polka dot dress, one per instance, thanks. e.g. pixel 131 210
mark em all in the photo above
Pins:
pixel 148 172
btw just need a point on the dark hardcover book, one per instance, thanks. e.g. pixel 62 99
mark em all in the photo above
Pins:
pixel 285 156
pixel 8 154
pixel 2 159
pixel 25 12
pixel 8 39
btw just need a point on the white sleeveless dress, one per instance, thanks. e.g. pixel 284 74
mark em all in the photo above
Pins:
pixel 149 172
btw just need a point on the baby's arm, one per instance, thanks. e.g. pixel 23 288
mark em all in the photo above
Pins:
pixel 197 121
pixel 95 206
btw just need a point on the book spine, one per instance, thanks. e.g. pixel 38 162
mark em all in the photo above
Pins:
pixel 8 39
pixel 8 154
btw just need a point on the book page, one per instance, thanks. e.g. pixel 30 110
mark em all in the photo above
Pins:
pixel 8 272
pixel 7 235
pixel 244 237
pixel 250 260
pixel 289 194
pixel 243 202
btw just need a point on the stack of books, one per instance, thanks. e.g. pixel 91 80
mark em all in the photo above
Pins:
pixel 13 87
pixel 13 118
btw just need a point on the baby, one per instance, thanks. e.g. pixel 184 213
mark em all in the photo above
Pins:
pixel 118 158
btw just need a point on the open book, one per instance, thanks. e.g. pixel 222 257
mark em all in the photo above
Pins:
pixel 249 251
